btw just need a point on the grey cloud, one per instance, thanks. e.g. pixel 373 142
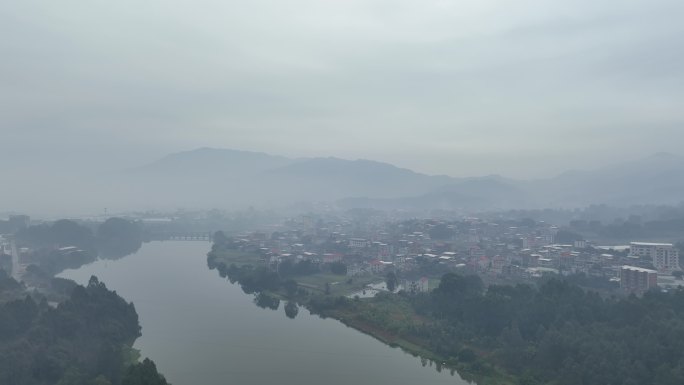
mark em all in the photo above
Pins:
pixel 447 82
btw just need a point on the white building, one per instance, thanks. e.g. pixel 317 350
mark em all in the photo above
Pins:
pixel 665 256
pixel 358 243
pixel 580 244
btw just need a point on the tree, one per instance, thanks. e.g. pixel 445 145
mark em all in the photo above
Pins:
pixel 63 232
pixel 391 281
pixel 567 237
pixel 678 274
pixel 338 268
pixel 290 287
pixel 101 380
pixel 72 376
pixel 118 237
pixel 220 237
pixel 454 285
pixel 144 373
pixel 266 301
pixel 291 309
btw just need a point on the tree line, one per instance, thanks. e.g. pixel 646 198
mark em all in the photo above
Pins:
pixel 114 238
pixel 556 333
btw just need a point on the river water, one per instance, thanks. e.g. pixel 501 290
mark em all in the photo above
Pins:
pixel 201 330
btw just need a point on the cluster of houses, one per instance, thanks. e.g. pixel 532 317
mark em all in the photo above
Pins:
pixel 420 248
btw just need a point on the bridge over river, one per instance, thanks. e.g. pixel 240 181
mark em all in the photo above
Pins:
pixel 183 236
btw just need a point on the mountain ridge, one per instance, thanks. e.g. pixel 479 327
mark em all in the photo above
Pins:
pixel 248 177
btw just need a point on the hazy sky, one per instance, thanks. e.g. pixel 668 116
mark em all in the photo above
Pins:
pixel 519 88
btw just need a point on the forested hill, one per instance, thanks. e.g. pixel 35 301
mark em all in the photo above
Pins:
pixel 85 340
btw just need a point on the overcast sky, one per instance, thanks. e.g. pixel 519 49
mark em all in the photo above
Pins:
pixel 466 87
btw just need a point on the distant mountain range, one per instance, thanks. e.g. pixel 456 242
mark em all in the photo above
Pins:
pixel 209 177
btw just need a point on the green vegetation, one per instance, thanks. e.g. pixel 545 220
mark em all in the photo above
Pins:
pixel 391 281
pixel 143 373
pixel 556 333
pixel 338 268
pixel 10 290
pixel 291 309
pixel 117 237
pixel 66 244
pixel 253 272
pixel 234 257
pixel 85 340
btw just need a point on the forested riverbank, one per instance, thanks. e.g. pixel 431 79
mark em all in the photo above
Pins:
pixel 54 331
pixel 85 340
pixel 66 244
pixel 556 333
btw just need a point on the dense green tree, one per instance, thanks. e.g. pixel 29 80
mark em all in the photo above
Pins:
pixel 101 380
pixel 73 376
pixel 304 267
pixel 219 237
pixel 266 301
pixel 561 334
pixel 291 309
pixel 62 233
pixel 338 268
pixel 82 338
pixel 144 373
pixel 45 240
pixel 118 237
pixel 8 283
pixel 391 280
pixel 290 287
pixel 565 236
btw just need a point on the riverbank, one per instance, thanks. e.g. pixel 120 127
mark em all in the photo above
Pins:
pixel 86 339
pixel 317 282
pixel 389 318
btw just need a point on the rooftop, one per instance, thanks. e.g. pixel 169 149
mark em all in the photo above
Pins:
pixel 650 244
pixel 639 269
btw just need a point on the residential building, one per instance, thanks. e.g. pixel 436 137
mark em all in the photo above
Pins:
pixel 358 243
pixel 664 256
pixel 637 280
pixel 580 244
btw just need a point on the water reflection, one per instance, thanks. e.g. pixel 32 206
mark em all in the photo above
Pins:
pixel 201 330
pixel 291 309
pixel 266 301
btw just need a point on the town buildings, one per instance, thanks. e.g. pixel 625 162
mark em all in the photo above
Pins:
pixel 664 256
pixel 501 253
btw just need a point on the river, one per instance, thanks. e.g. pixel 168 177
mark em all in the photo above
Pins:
pixel 200 329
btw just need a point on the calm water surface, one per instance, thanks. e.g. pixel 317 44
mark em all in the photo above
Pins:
pixel 201 330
